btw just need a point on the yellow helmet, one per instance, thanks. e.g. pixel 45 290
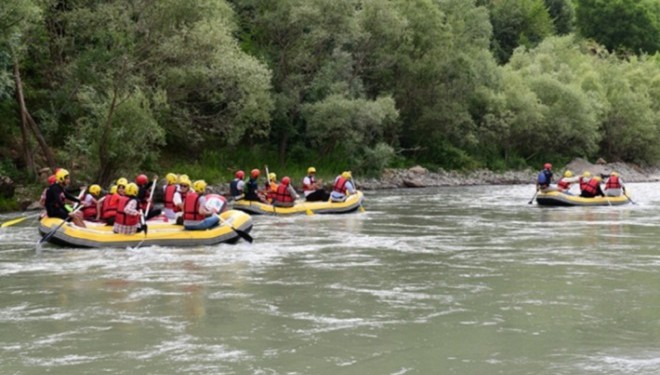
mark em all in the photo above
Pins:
pixel 122 181
pixel 597 178
pixel 113 189
pixel 199 186
pixel 171 178
pixel 614 174
pixel 95 190
pixel 586 174
pixel 346 174
pixel 311 170
pixel 184 180
pixel 132 189
pixel 61 175
pixel 568 174
pixel 272 176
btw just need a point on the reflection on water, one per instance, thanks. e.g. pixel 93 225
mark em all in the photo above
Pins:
pixel 468 280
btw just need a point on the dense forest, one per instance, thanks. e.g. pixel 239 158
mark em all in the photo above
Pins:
pixel 106 87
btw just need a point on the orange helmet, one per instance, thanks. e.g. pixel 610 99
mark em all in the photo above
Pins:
pixel 286 180
pixel 240 175
pixel 52 179
pixel 547 166
pixel 141 179
pixel 255 173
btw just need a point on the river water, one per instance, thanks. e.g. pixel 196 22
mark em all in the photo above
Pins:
pixel 469 280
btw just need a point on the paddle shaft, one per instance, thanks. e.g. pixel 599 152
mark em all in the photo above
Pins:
pixel 532 200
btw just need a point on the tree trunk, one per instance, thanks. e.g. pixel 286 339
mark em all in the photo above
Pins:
pixel 48 153
pixel 105 169
pixel 27 153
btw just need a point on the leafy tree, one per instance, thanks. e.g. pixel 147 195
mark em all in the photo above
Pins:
pixel 562 13
pixel 518 23
pixel 628 25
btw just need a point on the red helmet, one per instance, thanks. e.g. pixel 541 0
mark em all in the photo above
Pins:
pixel 52 179
pixel 240 175
pixel 141 179
pixel 547 166
pixel 286 180
pixel 255 173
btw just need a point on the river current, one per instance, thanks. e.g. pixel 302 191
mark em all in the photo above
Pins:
pixel 460 280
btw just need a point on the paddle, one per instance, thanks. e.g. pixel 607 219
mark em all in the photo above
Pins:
pixel 17 220
pixel 241 233
pixel 143 220
pixel 630 200
pixel 52 232
pixel 267 178
pixel 534 196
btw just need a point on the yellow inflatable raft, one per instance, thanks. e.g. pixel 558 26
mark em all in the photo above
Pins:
pixel 236 225
pixel 352 203
pixel 556 198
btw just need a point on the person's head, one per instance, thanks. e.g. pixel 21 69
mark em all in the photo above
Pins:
pixel 597 178
pixel 113 189
pixel 272 177
pixel 184 182
pixel 132 189
pixel 311 170
pixel 240 175
pixel 200 186
pixel 122 182
pixel 586 174
pixel 286 180
pixel 614 174
pixel 568 174
pixel 62 176
pixel 255 173
pixel 346 174
pixel 171 178
pixel 95 190
pixel 547 166
pixel 141 179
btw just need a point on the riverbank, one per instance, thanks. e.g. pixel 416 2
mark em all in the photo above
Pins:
pixel 418 177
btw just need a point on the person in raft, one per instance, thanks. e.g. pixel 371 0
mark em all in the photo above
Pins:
pixel 614 186
pixel 112 202
pixel 127 220
pixel 312 188
pixel 252 188
pixel 144 190
pixel 196 216
pixel 286 195
pixel 92 203
pixel 544 179
pixel 342 187
pixel 564 183
pixel 237 186
pixel 56 198
pixel 270 188
pixel 590 186
pixel 169 190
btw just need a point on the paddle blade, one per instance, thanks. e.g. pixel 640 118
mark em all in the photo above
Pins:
pixel 309 212
pixel 244 235
pixel 362 209
pixel 12 222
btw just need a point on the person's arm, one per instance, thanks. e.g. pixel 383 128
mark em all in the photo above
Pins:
pixel 131 208
pixel 292 192
pixel 70 196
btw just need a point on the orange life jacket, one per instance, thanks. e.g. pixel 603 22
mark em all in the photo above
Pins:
pixel 191 207
pixel 613 183
pixel 110 205
pixel 282 194
pixel 340 185
pixel 169 197
pixel 592 187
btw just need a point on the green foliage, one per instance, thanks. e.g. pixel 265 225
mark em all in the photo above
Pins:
pixel 562 13
pixel 631 26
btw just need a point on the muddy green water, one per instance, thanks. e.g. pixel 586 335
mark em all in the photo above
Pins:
pixel 431 281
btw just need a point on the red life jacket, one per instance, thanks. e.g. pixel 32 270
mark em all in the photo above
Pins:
pixel 583 183
pixel 613 183
pixel 90 211
pixel 563 184
pixel 592 187
pixel 110 205
pixel 340 185
pixel 309 187
pixel 191 207
pixel 122 218
pixel 169 197
pixel 282 194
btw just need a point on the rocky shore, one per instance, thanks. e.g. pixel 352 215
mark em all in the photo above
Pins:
pixel 417 177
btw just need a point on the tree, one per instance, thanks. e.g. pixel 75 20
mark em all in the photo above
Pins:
pixel 626 25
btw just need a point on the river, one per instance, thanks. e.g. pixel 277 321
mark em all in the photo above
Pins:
pixel 460 280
